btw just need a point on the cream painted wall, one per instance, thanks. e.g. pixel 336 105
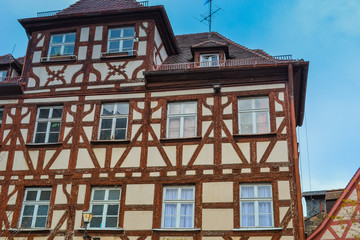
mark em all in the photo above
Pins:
pixel 211 217
pixel 138 220
pixel 139 194
pixel 218 192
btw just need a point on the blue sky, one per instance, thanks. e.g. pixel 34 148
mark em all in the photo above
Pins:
pixel 326 33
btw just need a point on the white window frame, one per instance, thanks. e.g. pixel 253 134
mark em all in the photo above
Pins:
pixel 36 205
pixel 178 203
pixel 1 117
pixel 3 74
pixel 204 60
pixel 182 116
pixel 114 117
pixel 256 201
pixel 48 121
pixel 121 40
pixel 106 203
pixel 62 44
pixel 253 112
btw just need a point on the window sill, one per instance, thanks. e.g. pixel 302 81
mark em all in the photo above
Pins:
pixel 177 229
pixel 257 229
pixel 116 55
pixel 41 145
pixel 255 135
pixel 56 59
pixel 29 229
pixel 104 142
pixel 174 140
pixel 101 229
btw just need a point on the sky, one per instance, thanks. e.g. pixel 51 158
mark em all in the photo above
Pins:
pixel 324 32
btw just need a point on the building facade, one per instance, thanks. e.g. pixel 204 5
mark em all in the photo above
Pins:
pixel 159 136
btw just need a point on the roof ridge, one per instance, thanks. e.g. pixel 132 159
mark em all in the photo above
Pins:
pixel 241 46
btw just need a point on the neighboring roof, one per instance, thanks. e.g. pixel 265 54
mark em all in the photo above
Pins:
pixel 333 194
pixel 6 59
pixel 325 227
pixel 21 60
pixel 314 193
pixel 91 6
pixel 185 42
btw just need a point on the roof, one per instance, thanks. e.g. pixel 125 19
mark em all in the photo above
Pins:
pixel 6 59
pixel 333 194
pixel 213 39
pixel 314 193
pixel 91 6
pixel 353 186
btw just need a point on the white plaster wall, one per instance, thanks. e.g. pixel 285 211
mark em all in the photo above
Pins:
pixel 98 33
pixel 284 190
pixel 84 34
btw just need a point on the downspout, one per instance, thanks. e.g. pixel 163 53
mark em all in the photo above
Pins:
pixel 296 155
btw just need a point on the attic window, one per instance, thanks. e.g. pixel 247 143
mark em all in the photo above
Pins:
pixel 62 45
pixel 2 75
pixel 209 60
pixel 121 40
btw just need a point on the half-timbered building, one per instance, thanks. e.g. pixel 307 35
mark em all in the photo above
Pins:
pixel 160 136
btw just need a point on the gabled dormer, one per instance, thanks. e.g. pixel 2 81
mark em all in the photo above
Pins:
pixel 210 53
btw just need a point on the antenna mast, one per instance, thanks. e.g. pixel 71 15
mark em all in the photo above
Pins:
pixel 208 17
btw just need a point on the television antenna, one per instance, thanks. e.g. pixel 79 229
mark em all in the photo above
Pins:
pixel 209 16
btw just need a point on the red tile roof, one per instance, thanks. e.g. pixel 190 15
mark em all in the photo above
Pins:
pixel 90 6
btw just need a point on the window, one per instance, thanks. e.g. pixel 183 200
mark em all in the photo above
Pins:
pixel 209 60
pixel 254 115
pixel 62 45
pixel 121 40
pixel 181 119
pixel 48 123
pixel 105 205
pixel 1 116
pixel 2 75
pixel 178 207
pixel 35 208
pixel 113 121
pixel 256 208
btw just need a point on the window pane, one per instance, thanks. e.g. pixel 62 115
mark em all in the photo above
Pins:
pixel 40 222
pixel 245 120
pixel 264 191
pixel 187 194
pixel 108 109
pixel 97 209
pixel 28 210
pixel 115 33
pixel 53 137
pixel 129 32
pixel 114 194
pixel 122 109
pixel 262 122
pixel 57 39
pixel 43 210
pixel 41 127
pixel 247 192
pixel 265 207
pixel 189 122
pixel 111 222
pixel 190 108
pixel 170 215
pixel 70 38
pixel 113 210
pixel 106 123
pixel 245 104
pixel 1 113
pixel 26 222
pixel 171 194
pixel 69 50
pixel 121 122
pixel 40 138
pixel 174 108
pixel 57 113
pixel 99 195
pixel 44 113
pixel 55 51
pixel 261 103
pixel 170 221
pixel 120 134
pixel 114 46
pixel 247 214
pixel 127 45
pixel 105 135
pixel 31 195
pixel 95 222
pixel 55 126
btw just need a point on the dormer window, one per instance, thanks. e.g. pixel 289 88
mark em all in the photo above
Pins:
pixel 121 40
pixel 62 45
pixel 2 75
pixel 209 60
